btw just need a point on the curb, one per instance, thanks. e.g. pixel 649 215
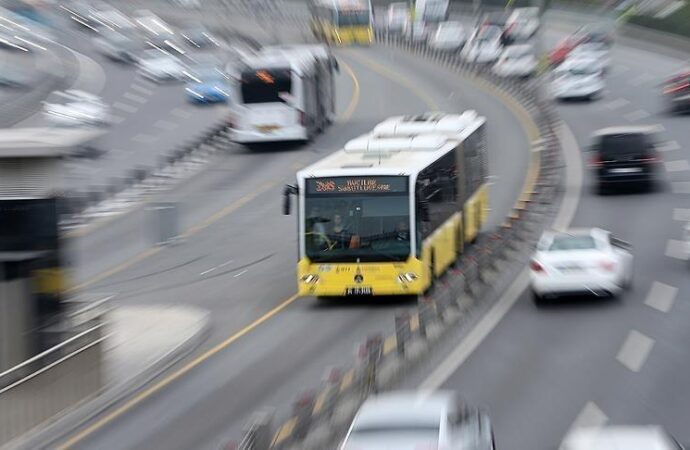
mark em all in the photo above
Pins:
pixel 59 428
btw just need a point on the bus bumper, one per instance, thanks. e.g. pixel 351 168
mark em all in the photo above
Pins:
pixel 284 134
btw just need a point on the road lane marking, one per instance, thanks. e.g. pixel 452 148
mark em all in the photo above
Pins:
pixel 636 115
pixel 166 125
pixel 591 416
pixel 146 393
pixel 135 98
pixel 640 79
pixel 145 138
pixel 141 89
pixel 354 100
pixel 616 104
pixel 680 187
pixel 125 107
pixel 661 297
pixel 668 146
pixel 573 183
pixel 240 274
pixel 181 113
pixel 635 350
pixel 675 249
pixel 681 214
pixel 679 165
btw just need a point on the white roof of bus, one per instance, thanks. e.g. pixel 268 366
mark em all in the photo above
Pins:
pixel 296 61
pixel 345 4
pixel 406 147
pixel 319 51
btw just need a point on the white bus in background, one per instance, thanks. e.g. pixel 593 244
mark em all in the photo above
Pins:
pixel 285 93
pixel 431 10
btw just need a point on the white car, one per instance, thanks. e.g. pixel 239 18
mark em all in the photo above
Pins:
pixel 398 17
pixel 160 66
pixel 596 51
pixel 516 61
pixel 75 108
pixel 484 46
pixel 417 420
pixel 580 261
pixel 449 36
pixel 620 437
pixel 577 78
pixel 523 23
pixel 418 32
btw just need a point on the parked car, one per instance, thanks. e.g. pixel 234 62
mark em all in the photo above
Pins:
pixel 577 78
pixel 484 46
pixel 621 437
pixel 625 156
pixel 161 66
pixel 449 36
pixel 76 108
pixel 523 23
pixel 676 91
pixel 516 61
pixel 414 420
pixel 580 261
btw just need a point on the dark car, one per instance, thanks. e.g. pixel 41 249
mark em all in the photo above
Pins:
pixel 677 92
pixel 625 156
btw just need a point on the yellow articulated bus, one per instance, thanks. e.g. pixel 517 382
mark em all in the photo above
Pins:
pixel 394 209
pixel 342 22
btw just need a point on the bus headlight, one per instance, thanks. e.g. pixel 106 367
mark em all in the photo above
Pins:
pixel 310 279
pixel 408 277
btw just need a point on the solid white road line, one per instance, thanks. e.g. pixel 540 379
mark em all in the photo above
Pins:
pixel 680 187
pixel 571 198
pixel 616 104
pixel 636 115
pixel 677 166
pixel 681 214
pixel 215 268
pixel 135 98
pixel 240 274
pixel 661 296
pixel 591 416
pixel 125 107
pixel 144 138
pixel 165 125
pixel 181 113
pixel 668 146
pixel 675 249
pixel 635 350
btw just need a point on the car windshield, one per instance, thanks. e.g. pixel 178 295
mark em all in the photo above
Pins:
pixel 372 223
pixel 570 242
pixel 627 145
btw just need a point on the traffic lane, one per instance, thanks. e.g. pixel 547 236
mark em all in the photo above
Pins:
pixel 552 362
pixel 507 162
pixel 232 176
pixel 297 345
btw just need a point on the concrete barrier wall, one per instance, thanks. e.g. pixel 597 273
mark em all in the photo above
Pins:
pixel 65 382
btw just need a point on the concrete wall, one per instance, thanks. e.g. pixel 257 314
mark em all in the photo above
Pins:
pixel 62 384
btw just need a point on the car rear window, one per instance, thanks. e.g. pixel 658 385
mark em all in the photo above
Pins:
pixel 266 85
pixel 628 145
pixel 561 243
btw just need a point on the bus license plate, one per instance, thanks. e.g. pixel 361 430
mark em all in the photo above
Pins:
pixel 358 291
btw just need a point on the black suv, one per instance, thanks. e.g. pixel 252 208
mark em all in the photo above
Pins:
pixel 624 156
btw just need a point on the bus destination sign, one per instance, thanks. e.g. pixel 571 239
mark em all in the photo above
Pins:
pixel 356 185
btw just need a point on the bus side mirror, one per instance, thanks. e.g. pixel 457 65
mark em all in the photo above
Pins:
pixel 287 192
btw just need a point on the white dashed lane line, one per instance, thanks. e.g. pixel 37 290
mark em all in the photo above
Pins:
pixel 680 187
pixel 640 79
pixel 616 104
pixel 591 416
pixel 675 249
pixel 240 274
pixel 141 89
pixel 166 125
pixel 636 115
pixel 144 138
pixel 635 350
pixel 135 98
pixel 668 146
pixel 661 297
pixel 181 113
pixel 681 214
pixel 677 166
pixel 125 107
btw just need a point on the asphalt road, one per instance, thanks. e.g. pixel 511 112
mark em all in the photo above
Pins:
pixel 240 264
pixel 596 361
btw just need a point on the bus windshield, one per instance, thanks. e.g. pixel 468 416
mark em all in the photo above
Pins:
pixel 353 18
pixel 266 85
pixel 346 227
